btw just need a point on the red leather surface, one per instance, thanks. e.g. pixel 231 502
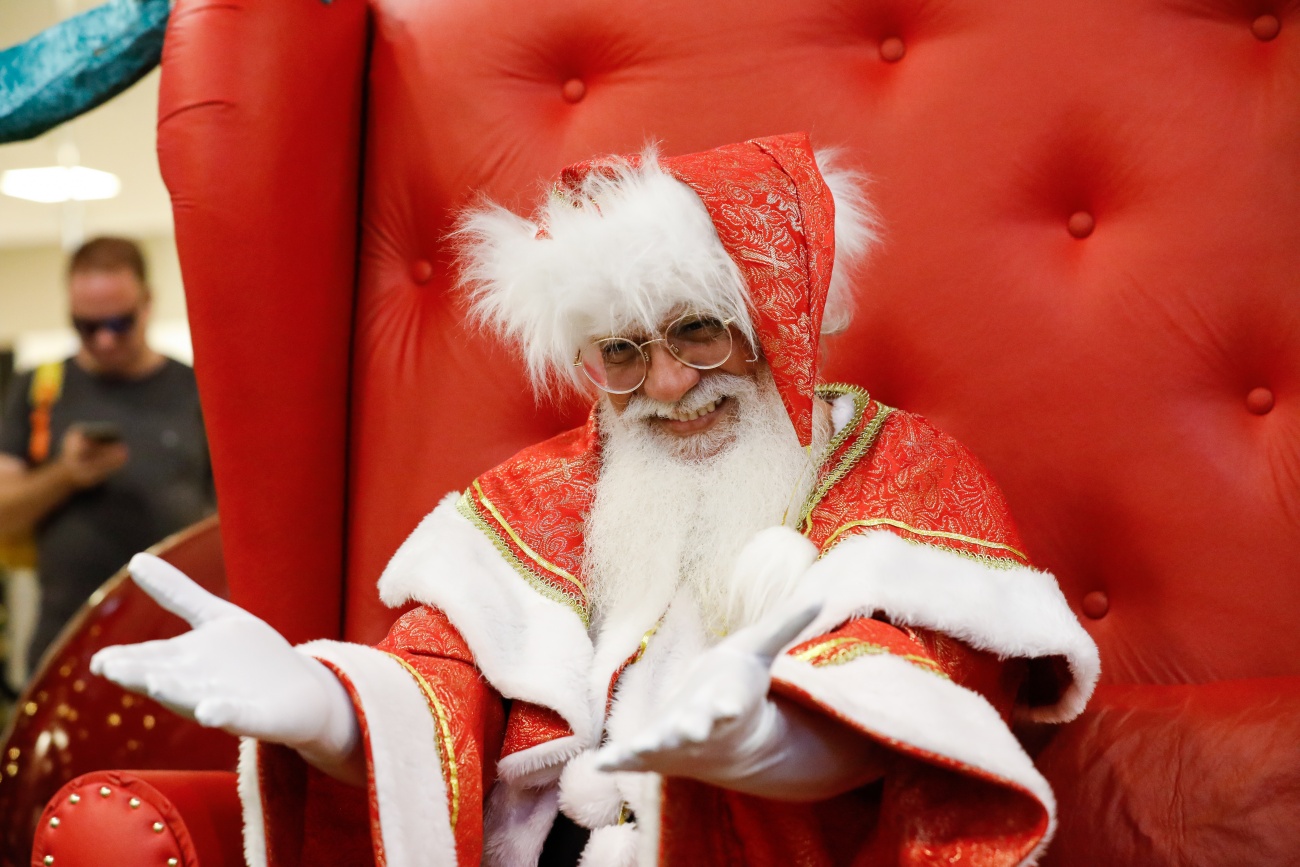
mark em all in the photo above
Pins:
pixel 269 286
pixel 70 722
pixel 1089 278
pixel 142 817
pixel 1180 776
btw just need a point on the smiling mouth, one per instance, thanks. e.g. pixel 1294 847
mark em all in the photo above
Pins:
pixel 690 419
pixel 691 415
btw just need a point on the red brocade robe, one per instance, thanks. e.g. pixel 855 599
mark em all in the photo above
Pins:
pixel 483 706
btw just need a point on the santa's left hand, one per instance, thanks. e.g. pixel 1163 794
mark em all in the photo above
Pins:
pixel 721 727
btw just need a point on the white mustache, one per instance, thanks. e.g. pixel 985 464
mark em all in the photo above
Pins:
pixel 710 389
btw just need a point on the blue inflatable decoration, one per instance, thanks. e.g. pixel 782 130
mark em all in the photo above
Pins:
pixel 78 64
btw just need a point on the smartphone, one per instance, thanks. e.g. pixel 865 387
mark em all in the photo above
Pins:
pixel 102 432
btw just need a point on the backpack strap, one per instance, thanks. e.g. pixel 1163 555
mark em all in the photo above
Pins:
pixel 47 385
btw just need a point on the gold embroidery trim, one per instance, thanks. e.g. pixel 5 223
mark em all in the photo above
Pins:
pixel 446 747
pixel 466 508
pixel 860 445
pixel 846 649
pixel 808 654
pixel 523 546
pixel 832 540
pixel 645 643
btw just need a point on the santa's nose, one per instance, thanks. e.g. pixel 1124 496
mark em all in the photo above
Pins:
pixel 667 379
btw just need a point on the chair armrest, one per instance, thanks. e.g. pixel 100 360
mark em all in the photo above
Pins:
pixel 188 818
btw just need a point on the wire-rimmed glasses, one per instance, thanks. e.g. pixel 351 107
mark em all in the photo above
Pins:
pixel 618 365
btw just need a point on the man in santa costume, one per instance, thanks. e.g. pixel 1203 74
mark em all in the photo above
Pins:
pixel 740 616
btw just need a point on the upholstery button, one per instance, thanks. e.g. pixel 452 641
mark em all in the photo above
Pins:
pixel 892 49
pixel 1096 604
pixel 1081 224
pixel 574 90
pixel 421 271
pixel 1259 401
pixel 1265 27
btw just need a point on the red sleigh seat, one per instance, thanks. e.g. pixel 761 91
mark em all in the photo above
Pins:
pixel 1093 247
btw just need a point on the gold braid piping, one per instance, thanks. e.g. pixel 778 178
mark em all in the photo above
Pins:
pixel 523 546
pixel 847 649
pixel 855 452
pixel 808 654
pixel 446 747
pixel 834 539
pixel 466 508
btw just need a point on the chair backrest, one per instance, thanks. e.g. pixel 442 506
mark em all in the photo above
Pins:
pixel 1090 275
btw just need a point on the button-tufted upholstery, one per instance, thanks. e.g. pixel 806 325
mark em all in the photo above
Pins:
pixel 1091 277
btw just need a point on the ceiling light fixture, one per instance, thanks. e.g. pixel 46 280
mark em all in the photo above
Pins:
pixel 60 184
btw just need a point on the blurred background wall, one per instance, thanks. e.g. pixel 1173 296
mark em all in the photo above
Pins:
pixel 118 137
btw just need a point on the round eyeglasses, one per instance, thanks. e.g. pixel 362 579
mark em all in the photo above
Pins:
pixel 618 365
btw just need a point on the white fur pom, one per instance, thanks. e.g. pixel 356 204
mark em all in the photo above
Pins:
pixel 768 571
pixel 611 846
pixel 857 232
pixel 589 796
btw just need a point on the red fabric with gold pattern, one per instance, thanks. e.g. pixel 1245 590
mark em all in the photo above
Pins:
pixel 918 816
pixel 534 507
pixel 312 819
pixel 425 640
pixel 933 811
pixel 887 470
pixel 704 826
pixel 895 471
pixel 922 813
pixel 529 725
pixel 998 680
pixel 863 636
pixel 775 218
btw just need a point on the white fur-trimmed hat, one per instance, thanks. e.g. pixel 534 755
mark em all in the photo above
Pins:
pixel 763 232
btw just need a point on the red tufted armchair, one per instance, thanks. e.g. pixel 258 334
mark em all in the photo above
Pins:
pixel 1091 277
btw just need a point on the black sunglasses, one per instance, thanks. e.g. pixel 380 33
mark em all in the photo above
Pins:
pixel 119 325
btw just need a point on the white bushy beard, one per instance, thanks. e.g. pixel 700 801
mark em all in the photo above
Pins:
pixel 672 511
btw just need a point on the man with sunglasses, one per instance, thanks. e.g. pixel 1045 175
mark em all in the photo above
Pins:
pixel 103 454
pixel 740 616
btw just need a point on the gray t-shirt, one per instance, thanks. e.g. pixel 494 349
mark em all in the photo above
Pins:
pixel 165 486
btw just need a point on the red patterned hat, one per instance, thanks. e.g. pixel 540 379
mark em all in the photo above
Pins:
pixel 748 231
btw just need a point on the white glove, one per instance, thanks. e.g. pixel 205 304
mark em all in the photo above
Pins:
pixel 717 727
pixel 234 672
pixel 721 727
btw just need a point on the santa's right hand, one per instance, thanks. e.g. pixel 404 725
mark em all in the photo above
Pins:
pixel 231 671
